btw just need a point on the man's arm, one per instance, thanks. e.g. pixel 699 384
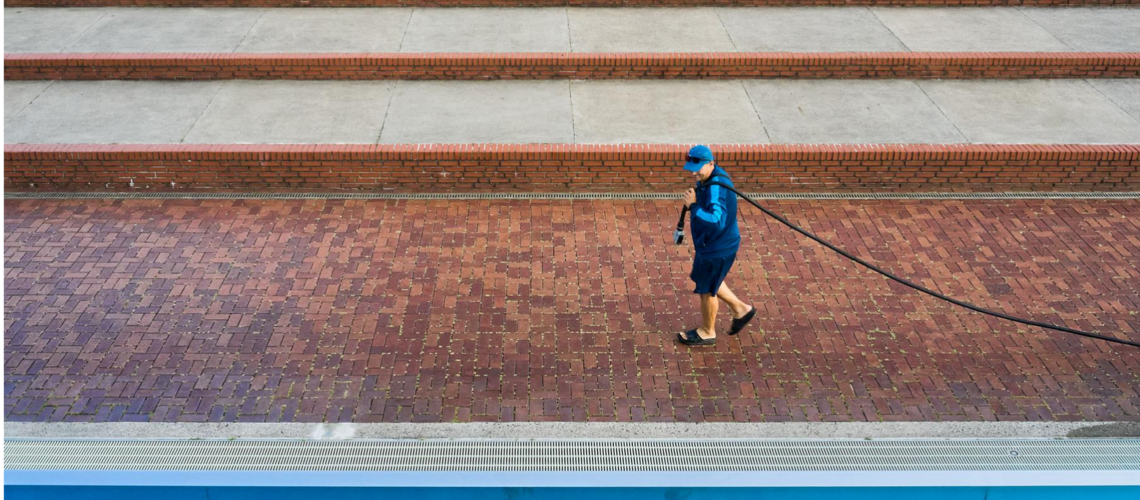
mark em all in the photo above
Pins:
pixel 716 213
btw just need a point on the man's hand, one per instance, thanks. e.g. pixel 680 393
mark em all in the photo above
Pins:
pixel 690 196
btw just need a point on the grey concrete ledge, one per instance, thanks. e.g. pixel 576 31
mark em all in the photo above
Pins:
pixel 577 430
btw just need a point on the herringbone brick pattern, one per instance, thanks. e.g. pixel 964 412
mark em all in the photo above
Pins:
pixel 441 311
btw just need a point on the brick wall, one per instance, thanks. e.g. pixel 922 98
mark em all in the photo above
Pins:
pixel 567 168
pixel 537 3
pixel 567 66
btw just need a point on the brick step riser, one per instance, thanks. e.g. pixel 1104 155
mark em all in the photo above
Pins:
pixel 568 66
pixel 553 3
pixel 567 168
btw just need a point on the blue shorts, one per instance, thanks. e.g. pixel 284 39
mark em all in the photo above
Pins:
pixel 709 273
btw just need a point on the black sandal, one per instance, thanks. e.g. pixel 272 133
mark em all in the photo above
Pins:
pixel 692 338
pixel 738 324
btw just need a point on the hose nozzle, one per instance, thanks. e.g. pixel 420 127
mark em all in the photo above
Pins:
pixel 679 234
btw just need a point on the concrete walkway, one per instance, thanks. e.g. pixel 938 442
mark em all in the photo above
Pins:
pixel 813 29
pixel 582 112
pixel 533 310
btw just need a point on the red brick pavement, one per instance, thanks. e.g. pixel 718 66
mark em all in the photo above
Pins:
pixel 442 311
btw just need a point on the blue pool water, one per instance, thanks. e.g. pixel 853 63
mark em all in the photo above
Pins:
pixel 876 493
pixel 223 485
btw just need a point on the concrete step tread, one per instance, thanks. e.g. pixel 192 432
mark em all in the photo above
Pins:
pixel 575 112
pixel 576 30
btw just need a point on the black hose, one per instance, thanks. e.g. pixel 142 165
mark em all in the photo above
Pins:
pixel 920 287
pixel 679 234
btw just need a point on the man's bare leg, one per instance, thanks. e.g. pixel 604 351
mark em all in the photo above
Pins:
pixel 738 307
pixel 709 305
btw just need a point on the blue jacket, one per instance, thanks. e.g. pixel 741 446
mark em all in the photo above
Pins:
pixel 713 218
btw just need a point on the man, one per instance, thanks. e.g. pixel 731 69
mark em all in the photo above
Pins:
pixel 716 238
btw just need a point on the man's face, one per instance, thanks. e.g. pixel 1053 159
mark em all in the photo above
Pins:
pixel 704 172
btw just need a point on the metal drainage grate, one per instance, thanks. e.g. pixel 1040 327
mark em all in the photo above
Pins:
pixel 574 455
pixel 567 196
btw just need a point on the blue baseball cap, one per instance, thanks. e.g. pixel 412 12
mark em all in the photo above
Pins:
pixel 698 157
